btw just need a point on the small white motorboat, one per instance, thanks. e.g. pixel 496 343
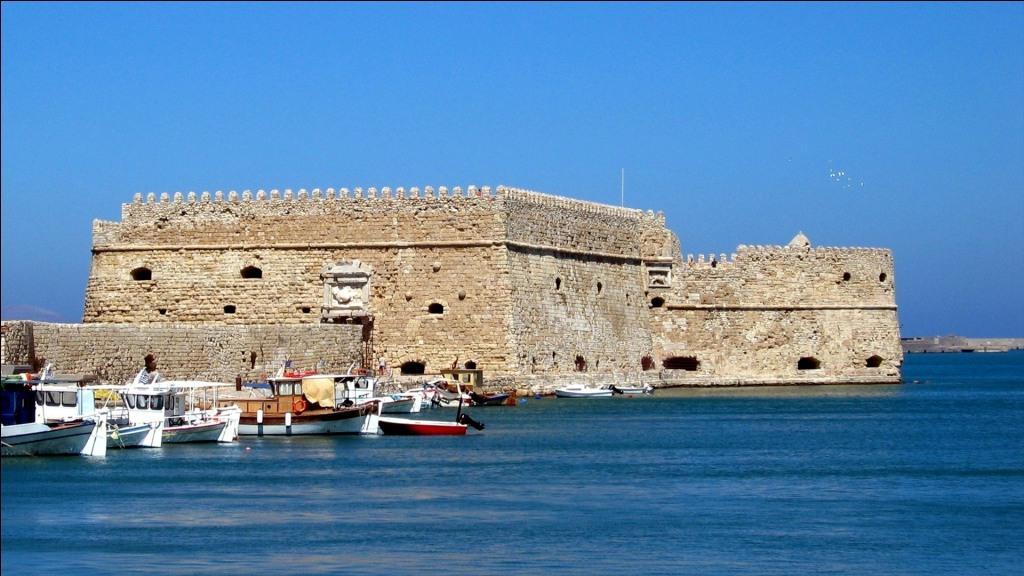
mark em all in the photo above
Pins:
pixel 632 390
pixel 581 391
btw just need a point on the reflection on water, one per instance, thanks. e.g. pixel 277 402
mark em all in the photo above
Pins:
pixel 910 479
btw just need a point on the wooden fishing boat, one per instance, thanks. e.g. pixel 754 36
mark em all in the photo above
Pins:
pixel 499 399
pixel 310 404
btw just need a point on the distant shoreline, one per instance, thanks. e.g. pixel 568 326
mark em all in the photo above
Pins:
pixel 958 344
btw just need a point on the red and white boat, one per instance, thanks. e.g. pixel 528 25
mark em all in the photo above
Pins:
pixel 406 427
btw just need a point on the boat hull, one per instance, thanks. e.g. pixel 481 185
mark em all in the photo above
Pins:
pixel 205 432
pixel 583 393
pixel 146 435
pixel 633 390
pixel 494 400
pixel 360 420
pixel 403 427
pixel 407 405
pixel 42 440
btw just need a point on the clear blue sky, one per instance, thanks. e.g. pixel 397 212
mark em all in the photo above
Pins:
pixel 734 119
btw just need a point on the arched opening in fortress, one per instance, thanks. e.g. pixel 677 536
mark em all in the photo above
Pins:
pixel 808 363
pixel 647 363
pixel 470 365
pixel 657 302
pixel 874 362
pixel 414 367
pixel 581 364
pixel 229 309
pixel 251 272
pixel 435 308
pixel 142 273
pixel 882 277
pixel 688 363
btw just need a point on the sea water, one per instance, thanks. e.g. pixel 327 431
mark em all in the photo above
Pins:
pixel 926 477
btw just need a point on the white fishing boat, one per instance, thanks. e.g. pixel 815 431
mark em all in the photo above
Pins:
pixel 400 403
pixel 61 401
pixel 581 391
pixel 22 435
pixel 187 410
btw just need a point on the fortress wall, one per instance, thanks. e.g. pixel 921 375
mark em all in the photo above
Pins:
pixel 787 277
pixel 114 352
pixel 491 262
pixel 541 220
pixel 194 286
pixel 753 316
pixel 576 274
pixel 305 217
pixel 764 346
pixel 558 314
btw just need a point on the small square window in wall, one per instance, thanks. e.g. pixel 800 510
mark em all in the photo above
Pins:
pixel 229 309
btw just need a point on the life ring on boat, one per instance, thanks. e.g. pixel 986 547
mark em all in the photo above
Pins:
pixel 299 406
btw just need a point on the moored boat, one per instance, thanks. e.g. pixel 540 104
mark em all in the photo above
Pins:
pixel 310 404
pixel 632 390
pixel 580 391
pixel 57 400
pixel 185 411
pixel 408 427
pixel 498 399
pixel 21 434
pixel 401 404
pixel 38 439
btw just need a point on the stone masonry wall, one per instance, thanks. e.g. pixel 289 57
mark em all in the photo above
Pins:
pixel 114 352
pixel 566 309
pixel 436 248
pixel 518 282
pixel 788 276
pixel 576 271
pixel 751 318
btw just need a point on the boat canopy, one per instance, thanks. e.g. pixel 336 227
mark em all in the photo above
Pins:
pixel 319 389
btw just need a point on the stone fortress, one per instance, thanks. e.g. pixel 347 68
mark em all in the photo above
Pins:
pixel 536 290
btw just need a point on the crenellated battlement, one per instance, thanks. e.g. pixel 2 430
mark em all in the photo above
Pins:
pixel 316 194
pixel 388 193
pixel 787 250
pixel 552 201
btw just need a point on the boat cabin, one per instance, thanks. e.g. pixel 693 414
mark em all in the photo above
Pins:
pixel 468 379
pixel 296 394
pixel 17 401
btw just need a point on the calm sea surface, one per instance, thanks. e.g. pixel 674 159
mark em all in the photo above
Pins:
pixel 922 478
